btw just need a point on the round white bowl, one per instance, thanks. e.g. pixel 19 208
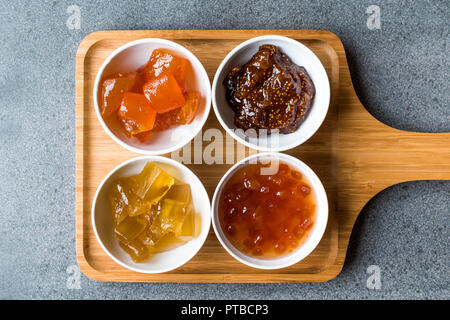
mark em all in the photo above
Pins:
pixel 315 234
pixel 300 55
pixel 129 58
pixel 164 261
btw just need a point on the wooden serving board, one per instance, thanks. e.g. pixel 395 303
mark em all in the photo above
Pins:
pixel 355 155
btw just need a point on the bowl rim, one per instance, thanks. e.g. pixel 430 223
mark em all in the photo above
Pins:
pixel 154 158
pixel 320 225
pixel 203 77
pixel 231 132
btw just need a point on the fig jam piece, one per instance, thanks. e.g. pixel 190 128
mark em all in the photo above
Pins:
pixel 113 89
pixel 269 92
pixel 164 93
pixel 136 114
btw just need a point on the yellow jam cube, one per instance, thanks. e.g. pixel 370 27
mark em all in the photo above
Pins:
pixel 187 231
pixel 180 192
pixel 124 202
pixel 152 183
pixel 151 214
pixel 171 215
pixel 137 250
pixel 130 228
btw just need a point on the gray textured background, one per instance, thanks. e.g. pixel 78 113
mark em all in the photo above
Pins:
pixel 401 74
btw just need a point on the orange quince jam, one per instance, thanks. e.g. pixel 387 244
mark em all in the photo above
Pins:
pixel 267 215
pixel 163 61
pixel 183 115
pixel 136 113
pixel 162 83
pixel 113 89
pixel 164 93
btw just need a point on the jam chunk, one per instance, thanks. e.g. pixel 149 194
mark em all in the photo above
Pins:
pixel 181 193
pixel 137 250
pixel 188 230
pixel 113 90
pixel 144 136
pixel 171 215
pixel 179 116
pixel 136 113
pixel 118 201
pixel 186 224
pixel 164 61
pixel 164 93
pixel 152 183
pixel 166 120
pixel 189 109
pixel 124 202
pixel 130 228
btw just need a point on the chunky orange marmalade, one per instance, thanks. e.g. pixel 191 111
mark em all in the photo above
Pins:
pixel 152 98
pixel 267 215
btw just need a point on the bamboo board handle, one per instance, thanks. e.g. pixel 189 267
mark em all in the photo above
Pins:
pixel 374 156
pixel 380 156
pixel 392 156
pixel 419 156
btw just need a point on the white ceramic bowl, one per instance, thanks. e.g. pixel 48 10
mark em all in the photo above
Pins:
pixel 129 58
pixel 165 261
pixel 315 234
pixel 300 55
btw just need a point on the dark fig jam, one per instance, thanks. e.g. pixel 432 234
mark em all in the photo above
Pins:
pixel 269 92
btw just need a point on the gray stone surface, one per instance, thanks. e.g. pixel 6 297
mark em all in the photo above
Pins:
pixel 401 73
